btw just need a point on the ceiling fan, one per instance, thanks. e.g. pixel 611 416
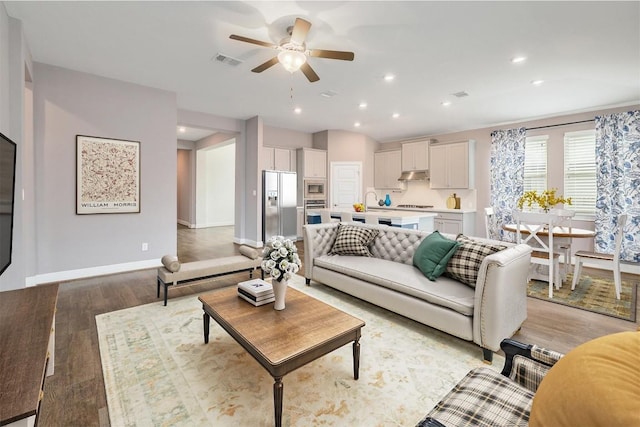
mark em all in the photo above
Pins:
pixel 293 51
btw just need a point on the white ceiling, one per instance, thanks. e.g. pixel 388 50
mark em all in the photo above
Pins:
pixel 587 53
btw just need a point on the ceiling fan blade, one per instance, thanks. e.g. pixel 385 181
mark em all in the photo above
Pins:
pixel 270 63
pixel 253 41
pixel 300 30
pixel 331 54
pixel 308 71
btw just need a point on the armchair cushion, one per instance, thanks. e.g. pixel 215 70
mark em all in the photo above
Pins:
pixel 502 402
pixel 595 384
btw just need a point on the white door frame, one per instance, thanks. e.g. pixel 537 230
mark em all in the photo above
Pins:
pixel 331 178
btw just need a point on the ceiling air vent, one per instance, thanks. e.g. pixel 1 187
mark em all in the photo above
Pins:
pixel 460 94
pixel 225 59
pixel 329 94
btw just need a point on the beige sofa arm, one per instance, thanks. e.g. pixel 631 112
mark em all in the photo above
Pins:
pixel 500 305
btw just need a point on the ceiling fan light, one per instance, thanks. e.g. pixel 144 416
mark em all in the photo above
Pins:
pixel 292 60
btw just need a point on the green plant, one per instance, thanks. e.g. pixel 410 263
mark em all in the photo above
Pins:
pixel 545 200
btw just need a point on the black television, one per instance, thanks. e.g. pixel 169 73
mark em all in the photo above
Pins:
pixel 7 198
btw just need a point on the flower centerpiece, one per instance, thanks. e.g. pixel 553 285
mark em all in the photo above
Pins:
pixel 280 259
pixel 546 200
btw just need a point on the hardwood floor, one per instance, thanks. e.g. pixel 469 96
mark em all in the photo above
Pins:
pixel 75 395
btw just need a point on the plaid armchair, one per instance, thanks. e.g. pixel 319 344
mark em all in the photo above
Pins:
pixel 485 398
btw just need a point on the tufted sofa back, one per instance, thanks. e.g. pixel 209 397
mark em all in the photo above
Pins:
pixel 392 243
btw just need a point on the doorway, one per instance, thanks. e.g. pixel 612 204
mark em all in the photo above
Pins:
pixel 346 184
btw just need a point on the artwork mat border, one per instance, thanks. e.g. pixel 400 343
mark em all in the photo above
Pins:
pixel 79 178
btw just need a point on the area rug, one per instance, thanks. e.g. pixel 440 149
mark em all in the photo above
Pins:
pixel 592 294
pixel 158 372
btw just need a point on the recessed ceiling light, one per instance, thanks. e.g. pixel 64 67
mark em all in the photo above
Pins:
pixel 395 115
pixel 389 77
pixel 357 124
pixel 182 129
pixel 297 110
pixel 445 103
pixel 363 105
pixel 518 59
pixel 537 82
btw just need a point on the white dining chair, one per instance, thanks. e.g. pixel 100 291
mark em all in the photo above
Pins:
pixel 370 218
pixel 536 230
pixel 325 217
pixel 607 261
pixel 563 244
pixel 491 224
pixel 346 217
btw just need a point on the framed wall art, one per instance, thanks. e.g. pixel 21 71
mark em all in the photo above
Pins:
pixel 107 175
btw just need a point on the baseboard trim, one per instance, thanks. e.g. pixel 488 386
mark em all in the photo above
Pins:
pixel 212 224
pixel 185 223
pixel 83 273
pixel 247 242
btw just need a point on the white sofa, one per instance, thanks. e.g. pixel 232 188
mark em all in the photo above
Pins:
pixel 486 315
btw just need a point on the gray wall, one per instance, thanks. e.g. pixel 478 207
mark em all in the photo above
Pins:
pixel 185 184
pixel 15 120
pixel 69 103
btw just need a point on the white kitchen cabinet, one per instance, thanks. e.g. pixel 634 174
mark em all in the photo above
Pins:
pixel 415 156
pixel 452 165
pixel 280 159
pixel 387 168
pixel 313 162
pixel 455 222
pixel 267 159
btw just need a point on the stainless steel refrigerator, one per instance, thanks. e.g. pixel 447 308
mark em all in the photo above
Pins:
pixel 279 197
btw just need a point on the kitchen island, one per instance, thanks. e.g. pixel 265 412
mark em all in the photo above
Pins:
pixel 395 218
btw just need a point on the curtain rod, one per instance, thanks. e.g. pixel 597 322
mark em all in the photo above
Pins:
pixel 561 124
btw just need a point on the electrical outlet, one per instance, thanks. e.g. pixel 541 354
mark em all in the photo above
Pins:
pixel 145 247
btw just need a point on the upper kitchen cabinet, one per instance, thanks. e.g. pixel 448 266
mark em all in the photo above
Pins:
pixel 415 156
pixel 313 163
pixel 280 159
pixel 387 167
pixel 452 165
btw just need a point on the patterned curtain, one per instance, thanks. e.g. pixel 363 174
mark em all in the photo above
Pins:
pixel 618 182
pixel 507 175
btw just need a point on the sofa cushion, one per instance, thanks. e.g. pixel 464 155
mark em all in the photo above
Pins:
pixel 403 278
pixel 595 384
pixel 465 262
pixel 432 255
pixel 353 240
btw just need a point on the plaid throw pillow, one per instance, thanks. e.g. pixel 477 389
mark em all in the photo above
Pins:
pixel 464 264
pixel 353 240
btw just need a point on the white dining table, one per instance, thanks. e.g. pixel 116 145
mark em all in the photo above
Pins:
pixel 561 235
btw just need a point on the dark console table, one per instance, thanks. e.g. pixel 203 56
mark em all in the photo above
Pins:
pixel 27 319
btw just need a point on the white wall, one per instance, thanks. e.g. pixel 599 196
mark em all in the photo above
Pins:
pixel 215 186
pixel 69 103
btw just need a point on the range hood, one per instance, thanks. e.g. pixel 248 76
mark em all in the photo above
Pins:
pixel 414 176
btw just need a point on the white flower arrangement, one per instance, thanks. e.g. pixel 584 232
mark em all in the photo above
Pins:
pixel 280 258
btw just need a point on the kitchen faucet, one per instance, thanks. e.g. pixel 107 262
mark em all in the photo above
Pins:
pixel 365 199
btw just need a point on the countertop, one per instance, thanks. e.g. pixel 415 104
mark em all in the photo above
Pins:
pixel 396 217
pixel 436 210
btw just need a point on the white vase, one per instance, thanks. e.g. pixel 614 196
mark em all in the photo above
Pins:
pixel 279 291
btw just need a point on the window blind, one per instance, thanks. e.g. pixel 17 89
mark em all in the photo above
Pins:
pixel 580 171
pixel 535 163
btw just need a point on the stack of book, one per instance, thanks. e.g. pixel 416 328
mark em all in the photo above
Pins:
pixel 256 291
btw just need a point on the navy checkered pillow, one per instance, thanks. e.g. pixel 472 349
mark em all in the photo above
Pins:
pixel 353 240
pixel 465 262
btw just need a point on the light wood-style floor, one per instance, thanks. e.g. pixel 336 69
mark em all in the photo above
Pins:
pixel 75 396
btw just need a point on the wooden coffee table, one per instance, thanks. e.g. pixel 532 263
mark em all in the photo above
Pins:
pixel 282 341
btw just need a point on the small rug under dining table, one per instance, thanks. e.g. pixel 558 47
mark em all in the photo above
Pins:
pixel 593 294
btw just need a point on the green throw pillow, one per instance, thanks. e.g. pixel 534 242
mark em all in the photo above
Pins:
pixel 432 255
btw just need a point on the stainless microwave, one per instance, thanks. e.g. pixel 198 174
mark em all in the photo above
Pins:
pixel 315 189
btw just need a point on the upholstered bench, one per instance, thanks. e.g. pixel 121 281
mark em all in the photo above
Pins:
pixel 174 273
